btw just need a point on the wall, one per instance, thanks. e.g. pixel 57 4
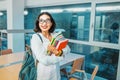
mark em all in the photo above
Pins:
pixel 2 5
pixel 38 3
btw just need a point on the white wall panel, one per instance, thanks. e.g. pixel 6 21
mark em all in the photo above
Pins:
pixel 39 3
pixel 3 5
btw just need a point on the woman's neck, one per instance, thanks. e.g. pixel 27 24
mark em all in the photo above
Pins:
pixel 47 35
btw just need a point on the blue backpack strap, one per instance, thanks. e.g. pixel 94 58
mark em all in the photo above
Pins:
pixel 40 37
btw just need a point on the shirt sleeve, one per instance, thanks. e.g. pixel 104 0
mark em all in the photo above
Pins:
pixel 40 52
pixel 66 50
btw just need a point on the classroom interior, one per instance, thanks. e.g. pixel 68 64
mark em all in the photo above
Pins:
pixel 91 26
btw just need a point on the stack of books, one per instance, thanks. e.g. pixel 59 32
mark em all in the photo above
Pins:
pixel 59 42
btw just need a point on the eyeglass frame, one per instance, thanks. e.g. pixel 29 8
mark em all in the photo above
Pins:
pixel 41 21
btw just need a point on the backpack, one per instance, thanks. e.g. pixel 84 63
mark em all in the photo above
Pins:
pixel 29 66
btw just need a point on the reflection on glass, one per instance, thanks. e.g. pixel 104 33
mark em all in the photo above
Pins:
pixel 107 22
pixel 106 58
pixel 114 36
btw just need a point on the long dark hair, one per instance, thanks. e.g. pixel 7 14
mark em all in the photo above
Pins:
pixel 37 29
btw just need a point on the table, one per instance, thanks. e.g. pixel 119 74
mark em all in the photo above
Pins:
pixel 15 58
pixel 69 58
pixel 10 59
pixel 10 64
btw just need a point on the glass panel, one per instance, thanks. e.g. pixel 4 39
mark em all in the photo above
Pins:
pixel 74 19
pixel 3 41
pixel 107 22
pixel 30 16
pixel 3 26
pixel 0 42
pixel 105 58
pixel 3 20
pixel 79 49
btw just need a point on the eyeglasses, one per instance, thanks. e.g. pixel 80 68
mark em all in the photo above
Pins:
pixel 41 21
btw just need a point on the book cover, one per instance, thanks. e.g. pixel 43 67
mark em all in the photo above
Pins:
pixel 59 42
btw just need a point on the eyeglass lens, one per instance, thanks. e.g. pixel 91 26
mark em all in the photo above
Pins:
pixel 46 21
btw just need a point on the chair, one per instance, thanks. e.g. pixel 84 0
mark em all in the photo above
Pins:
pixel 77 64
pixel 7 51
pixel 79 77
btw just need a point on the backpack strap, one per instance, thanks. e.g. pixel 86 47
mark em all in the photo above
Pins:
pixel 40 37
pixel 36 61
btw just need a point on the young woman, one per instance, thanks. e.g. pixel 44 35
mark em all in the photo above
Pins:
pixel 48 66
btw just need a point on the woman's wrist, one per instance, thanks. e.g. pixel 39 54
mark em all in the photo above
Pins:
pixel 59 53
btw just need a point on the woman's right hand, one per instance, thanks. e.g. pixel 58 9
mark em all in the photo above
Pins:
pixel 52 49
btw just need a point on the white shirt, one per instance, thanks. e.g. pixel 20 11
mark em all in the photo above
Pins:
pixel 48 67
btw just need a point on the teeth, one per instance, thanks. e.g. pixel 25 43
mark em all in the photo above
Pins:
pixel 44 26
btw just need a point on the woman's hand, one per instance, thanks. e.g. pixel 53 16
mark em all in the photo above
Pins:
pixel 52 49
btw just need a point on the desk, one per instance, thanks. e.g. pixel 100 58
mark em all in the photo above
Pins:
pixel 10 58
pixel 69 58
pixel 15 58
pixel 11 71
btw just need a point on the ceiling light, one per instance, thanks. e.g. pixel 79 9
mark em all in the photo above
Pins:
pixel 25 12
pixel 1 13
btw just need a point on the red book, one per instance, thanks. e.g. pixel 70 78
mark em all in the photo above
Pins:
pixel 61 44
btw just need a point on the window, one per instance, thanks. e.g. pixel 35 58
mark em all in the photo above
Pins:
pixel 107 22
pixel 74 19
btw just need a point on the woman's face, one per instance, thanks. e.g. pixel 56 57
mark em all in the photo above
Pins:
pixel 45 23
